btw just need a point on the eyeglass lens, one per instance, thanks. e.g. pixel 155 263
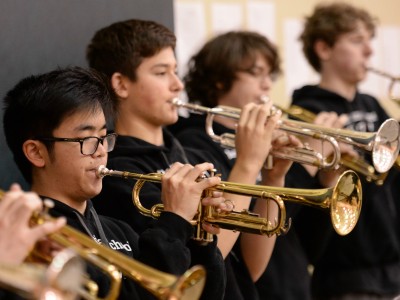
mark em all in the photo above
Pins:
pixel 90 144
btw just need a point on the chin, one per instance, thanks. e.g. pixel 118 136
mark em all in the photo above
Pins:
pixel 171 120
pixel 95 190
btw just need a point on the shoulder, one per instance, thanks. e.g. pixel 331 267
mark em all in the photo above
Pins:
pixel 117 227
pixel 372 104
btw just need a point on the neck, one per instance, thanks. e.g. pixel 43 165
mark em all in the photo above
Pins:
pixel 345 89
pixel 47 189
pixel 130 126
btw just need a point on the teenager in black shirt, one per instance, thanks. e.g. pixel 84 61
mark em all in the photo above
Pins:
pixel 366 263
pixel 138 58
pixel 55 125
pixel 236 69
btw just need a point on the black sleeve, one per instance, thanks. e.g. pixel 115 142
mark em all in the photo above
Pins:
pixel 211 258
pixel 195 138
pixel 310 222
pixel 8 295
pixel 164 245
pixel 161 247
pixel 168 246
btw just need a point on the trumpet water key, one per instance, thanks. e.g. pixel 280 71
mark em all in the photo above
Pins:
pixel 343 202
pixel 298 154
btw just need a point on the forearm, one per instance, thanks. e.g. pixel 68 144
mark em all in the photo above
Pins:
pixel 257 249
pixel 240 173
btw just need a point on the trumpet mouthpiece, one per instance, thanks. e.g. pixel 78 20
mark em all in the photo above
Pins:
pixel 264 99
pixel 101 171
pixel 177 102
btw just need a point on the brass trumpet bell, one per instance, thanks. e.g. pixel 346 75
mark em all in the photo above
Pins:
pixel 60 280
pixel 343 201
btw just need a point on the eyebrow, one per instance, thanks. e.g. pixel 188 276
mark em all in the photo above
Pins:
pixel 164 65
pixel 84 127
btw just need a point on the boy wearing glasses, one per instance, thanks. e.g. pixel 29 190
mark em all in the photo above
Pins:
pixel 234 69
pixel 55 125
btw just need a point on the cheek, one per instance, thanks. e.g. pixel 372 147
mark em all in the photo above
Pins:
pixel 347 55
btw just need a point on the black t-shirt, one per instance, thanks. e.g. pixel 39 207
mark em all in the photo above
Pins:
pixel 367 259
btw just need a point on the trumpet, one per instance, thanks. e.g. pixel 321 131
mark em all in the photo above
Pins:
pixel 393 81
pixel 163 285
pixel 60 280
pixel 298 154
pixel 384 144
pixel 343 202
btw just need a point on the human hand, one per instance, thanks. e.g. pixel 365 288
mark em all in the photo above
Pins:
pixel 332 120
pixel 254 134
pixel 182 189
pixel 328 178
pixel 282 141
pixel 17 237
pixel 220 204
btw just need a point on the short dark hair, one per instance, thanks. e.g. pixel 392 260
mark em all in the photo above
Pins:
pixel 122 46
pixel 327 23
pixel 38 104
pixel 213 69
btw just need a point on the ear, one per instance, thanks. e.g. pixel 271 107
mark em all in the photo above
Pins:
pixel 322 49
pixel 120 85
pixel 35 152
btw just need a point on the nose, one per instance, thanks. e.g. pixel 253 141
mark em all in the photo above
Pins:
pixel 266 82
pixel 177 84
pixel 100 151
pixel 368 49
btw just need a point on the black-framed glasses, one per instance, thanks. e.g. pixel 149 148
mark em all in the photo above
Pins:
pixel 260 73
pixel 88 144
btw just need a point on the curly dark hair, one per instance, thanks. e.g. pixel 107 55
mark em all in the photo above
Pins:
pixel 327 22
pixel 213 69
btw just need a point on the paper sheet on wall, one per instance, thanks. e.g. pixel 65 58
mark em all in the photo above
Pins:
pixel 225 17
pixel 190 30
pixel 261 18
pixel 297 71
pixel 386 58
